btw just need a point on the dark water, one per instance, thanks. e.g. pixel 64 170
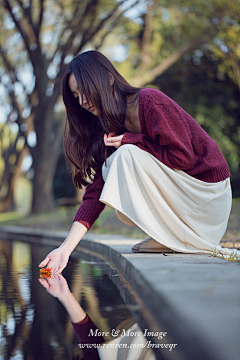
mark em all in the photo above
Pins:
pixel 34 324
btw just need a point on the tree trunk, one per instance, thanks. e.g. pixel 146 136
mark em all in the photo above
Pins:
pixel 45 156
pixel 7 203
pixel 43 199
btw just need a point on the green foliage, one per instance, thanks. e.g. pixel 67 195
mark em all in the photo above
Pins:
pixel 40 38
pixel 215 121
pixel 170 24
pixel 211 100
pixel 160 33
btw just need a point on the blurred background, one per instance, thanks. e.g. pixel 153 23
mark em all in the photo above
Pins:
pixel 188 49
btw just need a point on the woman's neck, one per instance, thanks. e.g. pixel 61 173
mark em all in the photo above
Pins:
pixel 132 122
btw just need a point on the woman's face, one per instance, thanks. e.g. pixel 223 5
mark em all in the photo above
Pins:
pixel 81 97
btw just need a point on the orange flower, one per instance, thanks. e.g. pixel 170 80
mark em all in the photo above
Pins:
pixel 46 273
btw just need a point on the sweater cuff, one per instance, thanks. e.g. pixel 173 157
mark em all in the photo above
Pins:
pixel 88 212
pixel 85 223
pixel 129 138
pixel 87 332
pixel 82 322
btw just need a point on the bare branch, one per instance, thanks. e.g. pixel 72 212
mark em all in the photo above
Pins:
pixel 12 72
pixel 112 25
pixel 17 23
pixel 146 37
pixel 66 48
pixel 60 46
pixel 22 31
pixel 39 25
pixel 77 29
pixel 87 35
pixel 26 12
pixel 16 106
pixel 166 63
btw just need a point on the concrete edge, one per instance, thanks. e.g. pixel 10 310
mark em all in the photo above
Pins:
pixel 167 319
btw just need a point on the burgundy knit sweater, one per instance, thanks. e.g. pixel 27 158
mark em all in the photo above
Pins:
pixel 82 330
pixel 173 137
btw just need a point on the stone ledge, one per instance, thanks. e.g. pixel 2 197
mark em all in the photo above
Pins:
pixel 195 298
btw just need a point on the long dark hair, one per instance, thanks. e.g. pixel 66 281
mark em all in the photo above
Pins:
pixel 83 137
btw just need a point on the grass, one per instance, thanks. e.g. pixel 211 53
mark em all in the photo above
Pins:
pixel 61 220
pixel 231 257
pixel 10 216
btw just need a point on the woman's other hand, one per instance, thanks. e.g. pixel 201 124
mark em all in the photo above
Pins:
pixel 113 140
pixel 56 259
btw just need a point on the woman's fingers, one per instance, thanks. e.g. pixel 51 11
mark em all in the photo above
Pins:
pixel 56 260
pixel 57 270
pixel 105 138
pixel 44 283
pixel 112 140
pixel 44 262
pixel 54 265
pixel 112 137
pixel 115 138
pixel 60 269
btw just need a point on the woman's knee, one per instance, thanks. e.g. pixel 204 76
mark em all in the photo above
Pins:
pixel 127 152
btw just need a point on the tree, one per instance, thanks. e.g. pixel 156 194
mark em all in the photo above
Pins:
pixel 212 100
pixel 40 38
pixel 168 30
pixel 13 150
pixel 180 33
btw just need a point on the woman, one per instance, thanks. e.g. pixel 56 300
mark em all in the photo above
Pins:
pixel 146 157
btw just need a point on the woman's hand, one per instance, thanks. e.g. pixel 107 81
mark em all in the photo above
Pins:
pixel 56 286
pixel 56 259
pixel 113 140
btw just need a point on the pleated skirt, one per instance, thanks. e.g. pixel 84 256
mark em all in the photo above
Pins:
pixel 180 212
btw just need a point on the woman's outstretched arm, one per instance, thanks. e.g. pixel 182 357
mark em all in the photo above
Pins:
pixel 58 258
pixel 86 215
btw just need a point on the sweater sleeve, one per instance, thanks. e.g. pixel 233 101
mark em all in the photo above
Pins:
pixel 91 207
pixel 168 135
pixel 87 333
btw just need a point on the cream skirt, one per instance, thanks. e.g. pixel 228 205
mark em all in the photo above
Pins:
pixel 180 212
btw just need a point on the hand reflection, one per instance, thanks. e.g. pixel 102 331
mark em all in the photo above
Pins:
pixel 88 333
pixel 56 286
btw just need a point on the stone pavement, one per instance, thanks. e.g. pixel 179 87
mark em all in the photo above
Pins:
pixel 194 298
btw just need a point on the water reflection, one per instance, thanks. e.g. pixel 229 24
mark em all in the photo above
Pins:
pixel 36 325
pixel 127 339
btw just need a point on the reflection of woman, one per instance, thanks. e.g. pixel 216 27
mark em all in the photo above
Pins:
pixel 87 332
pixel 163 172
pixel 57 287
